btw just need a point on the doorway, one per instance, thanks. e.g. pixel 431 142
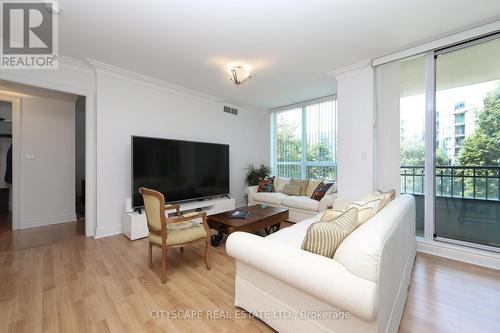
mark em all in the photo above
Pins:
pixel 47 205
pixel 5 166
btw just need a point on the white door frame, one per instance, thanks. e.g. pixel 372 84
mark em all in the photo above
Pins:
pixel 90 146
pixel 15 100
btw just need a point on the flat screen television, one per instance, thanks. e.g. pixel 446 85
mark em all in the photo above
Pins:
pixel 181 170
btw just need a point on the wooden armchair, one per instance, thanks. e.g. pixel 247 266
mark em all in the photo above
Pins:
pixel 172 232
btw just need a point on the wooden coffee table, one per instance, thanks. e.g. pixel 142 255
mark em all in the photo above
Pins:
pixel 261 217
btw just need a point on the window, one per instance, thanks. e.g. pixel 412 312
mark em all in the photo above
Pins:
pixel 303 141
pixel 459 118
pixel 451 163
pixel 467 190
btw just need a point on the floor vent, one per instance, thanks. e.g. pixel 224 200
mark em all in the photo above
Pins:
pixel 228 109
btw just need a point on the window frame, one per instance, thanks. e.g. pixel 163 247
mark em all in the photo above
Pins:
pixel 303 163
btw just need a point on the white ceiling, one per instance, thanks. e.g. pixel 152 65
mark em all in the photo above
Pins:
pixel 291 44
pixel 25 90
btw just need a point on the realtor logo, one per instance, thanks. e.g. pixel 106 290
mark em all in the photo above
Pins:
pixel 29 35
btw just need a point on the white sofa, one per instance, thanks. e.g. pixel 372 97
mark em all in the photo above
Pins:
pixel 299 207
pixel 368 277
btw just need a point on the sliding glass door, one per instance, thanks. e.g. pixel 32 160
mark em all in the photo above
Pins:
pixel 467 150
pixel 412 134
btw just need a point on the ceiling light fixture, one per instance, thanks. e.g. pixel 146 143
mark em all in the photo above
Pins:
pixel 239 73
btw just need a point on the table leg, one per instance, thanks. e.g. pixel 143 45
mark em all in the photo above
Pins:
pixel 216 239
pixel 272 228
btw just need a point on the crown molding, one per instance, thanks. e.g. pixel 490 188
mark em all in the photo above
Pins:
pixel 134 77
pixel 74 64
pixel 350 70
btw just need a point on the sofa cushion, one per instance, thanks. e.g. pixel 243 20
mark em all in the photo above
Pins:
pixel 291 189
pixel 323 238
pixel 301 202
pixel 300 182
pixel 360 251
pixel 280 182
pixel 273 198
pixel 181 232
pixel 311 186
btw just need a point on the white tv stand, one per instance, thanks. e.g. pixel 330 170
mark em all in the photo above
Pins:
pixel 135 225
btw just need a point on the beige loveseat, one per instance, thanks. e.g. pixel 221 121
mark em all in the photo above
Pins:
pixel 301 207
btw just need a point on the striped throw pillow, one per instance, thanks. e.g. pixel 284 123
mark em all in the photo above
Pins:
pixel 324 238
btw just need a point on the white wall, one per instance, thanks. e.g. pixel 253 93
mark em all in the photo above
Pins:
pixel 126 107
pixel 387 129
pixel 355 117
pixel 78 78
pixel 47 188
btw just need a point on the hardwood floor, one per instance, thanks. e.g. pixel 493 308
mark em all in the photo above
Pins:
pixel 33 237
pixel 104 285
pixel 450 296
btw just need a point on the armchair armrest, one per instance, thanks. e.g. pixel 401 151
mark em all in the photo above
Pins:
pixel 177 208
pixel 250 191
pixel 327 202
pixel 187 217
pixel 322 277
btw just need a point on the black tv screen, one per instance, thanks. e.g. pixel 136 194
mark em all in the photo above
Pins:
pixel 181 170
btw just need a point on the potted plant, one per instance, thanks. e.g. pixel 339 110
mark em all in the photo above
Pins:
pixel 254 174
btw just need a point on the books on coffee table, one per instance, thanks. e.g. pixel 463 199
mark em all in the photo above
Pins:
pixel 238 214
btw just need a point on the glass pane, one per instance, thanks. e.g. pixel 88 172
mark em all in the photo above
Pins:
pixel 320 132
pixel 289 170
pixel 320 140
pixel 289 136
pixel 327 173
pixel 412 133
pixel 468 144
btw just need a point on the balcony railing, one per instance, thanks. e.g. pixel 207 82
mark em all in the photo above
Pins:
pixel 467 182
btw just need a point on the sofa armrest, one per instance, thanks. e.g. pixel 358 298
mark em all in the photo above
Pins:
pixel 322 277
pixel 250 191
pixel 327 202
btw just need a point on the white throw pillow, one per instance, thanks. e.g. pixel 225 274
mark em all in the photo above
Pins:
pixel 366 209
pixel 280 182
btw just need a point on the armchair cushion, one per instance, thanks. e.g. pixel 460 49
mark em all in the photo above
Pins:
pixel 182 232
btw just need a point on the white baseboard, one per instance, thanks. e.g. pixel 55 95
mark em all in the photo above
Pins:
pixel 44 221
pixel 460 253
pixel 109 231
